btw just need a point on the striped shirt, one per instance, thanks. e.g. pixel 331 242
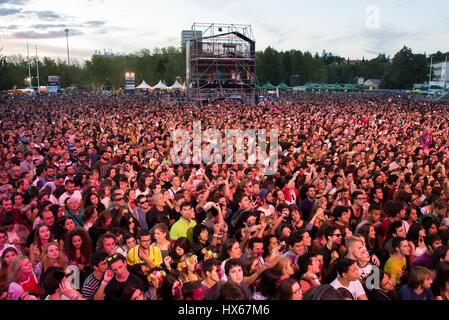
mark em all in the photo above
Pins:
pixel 90 287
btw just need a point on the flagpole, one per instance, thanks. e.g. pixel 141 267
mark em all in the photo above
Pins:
pixel 37 69
pixel 29 66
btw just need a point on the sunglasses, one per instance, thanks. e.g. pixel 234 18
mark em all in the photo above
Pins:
pixel 114 256
pixel 339 235
pixel 142 202
pixel 119 199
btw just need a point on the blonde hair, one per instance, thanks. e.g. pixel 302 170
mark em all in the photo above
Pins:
pixel 45 260
pixel 15 268
pixel 282 263
pixel 353 239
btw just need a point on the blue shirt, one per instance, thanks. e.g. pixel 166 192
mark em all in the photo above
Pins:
pixel 407 293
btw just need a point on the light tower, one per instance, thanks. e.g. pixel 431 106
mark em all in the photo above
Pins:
pixel 67 37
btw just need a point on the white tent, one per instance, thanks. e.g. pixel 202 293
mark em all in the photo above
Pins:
pixel 177 85
pixel 160 85
pixel 143 85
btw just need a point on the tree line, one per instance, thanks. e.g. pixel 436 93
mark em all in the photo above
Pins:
pixel 292 66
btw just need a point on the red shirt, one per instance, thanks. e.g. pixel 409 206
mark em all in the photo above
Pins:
pixel 31 285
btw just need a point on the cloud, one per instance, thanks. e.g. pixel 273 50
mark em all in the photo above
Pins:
pixel 11 27
pixel 385 39
pixel 13 2
pixel 47 26
pixel 23 35
pixel 9 11
pixel 48 15
pixel 93 23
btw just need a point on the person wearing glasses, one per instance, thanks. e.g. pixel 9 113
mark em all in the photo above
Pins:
pixel 329 251
pixel 118 203
pixel 359 208
pixel 144 252
pixel 141 212
pixel 113 286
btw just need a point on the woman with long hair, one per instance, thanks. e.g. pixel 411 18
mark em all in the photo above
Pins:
pixel 187 268
pixel 65 224
pixel 162 239
pixel 95 179
pixel 105 194
pixel 415 236
pixel 270 243
pixel 181 247
pixel 156 277
pixel 102 225
pixel 51 256
pixel 317 216
pixel 129 224
pixel 440 286
pixel 121 213
pixel 231 250
pixel 112 177
pixel 143 185
pixel 90 214
pixel 6 259
pixel 92 199
pixel 296 223
pixel 42 237
pixel 130 199
pixel 285 267
pixel 24 284
pixel 78 249
pixel 368 232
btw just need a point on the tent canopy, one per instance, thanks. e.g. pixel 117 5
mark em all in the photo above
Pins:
pixel 160 85
pixel 337 87
pixel 283 86
pixel 268 86
pixel 323 86
pixel 309 86
pixel 143 85
pixel 176 85
pixel 349 87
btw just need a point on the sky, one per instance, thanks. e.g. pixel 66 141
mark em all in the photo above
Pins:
pixel 352 29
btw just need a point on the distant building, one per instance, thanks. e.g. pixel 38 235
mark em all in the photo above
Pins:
pixel 375 83
pixel 187 35
pixel 440 71
pixel 354 61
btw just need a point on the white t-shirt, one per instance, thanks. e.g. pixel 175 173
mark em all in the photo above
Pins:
pixel 365 271
pixel 355 287
pixel 76 194
pixel 268 212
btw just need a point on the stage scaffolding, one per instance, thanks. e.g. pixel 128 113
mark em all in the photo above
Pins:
pixel 221 64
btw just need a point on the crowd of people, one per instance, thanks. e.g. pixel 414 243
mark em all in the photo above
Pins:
pixel 93 207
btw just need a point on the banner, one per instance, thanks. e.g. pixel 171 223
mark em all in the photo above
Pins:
pixel 130 78
pixel 361 81
pixel 54 84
